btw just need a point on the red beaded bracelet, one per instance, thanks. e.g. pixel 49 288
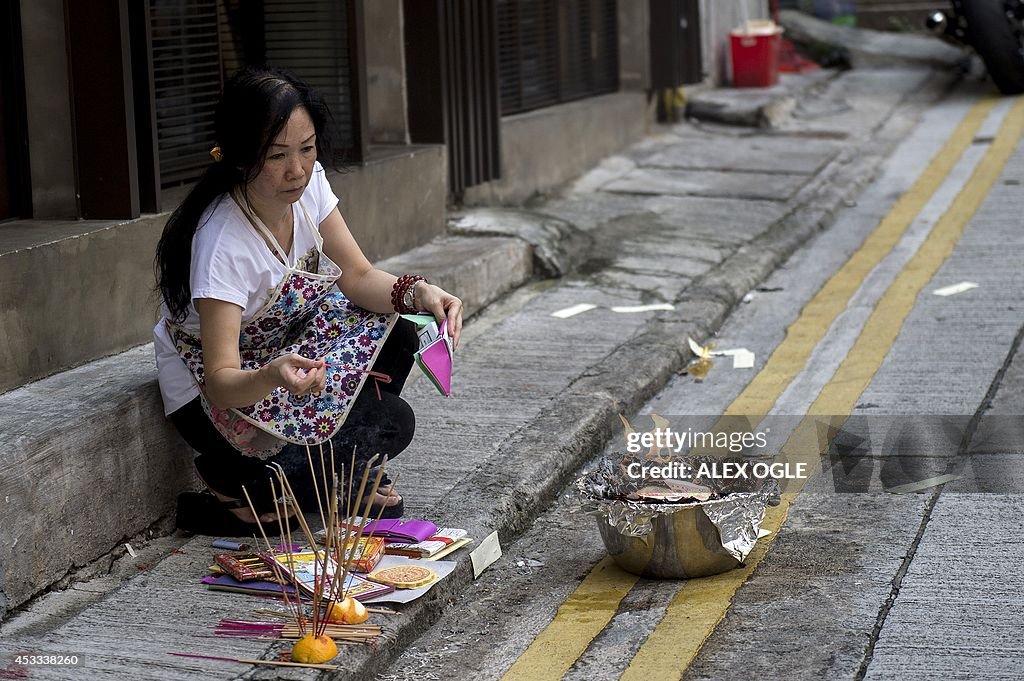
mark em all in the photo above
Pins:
pixel 402 287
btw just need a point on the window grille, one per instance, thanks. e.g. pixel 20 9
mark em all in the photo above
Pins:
pixel 553 51
pixel 197 44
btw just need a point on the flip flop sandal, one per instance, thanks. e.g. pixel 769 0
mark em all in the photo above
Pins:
pixel 203 513
pixel 388 512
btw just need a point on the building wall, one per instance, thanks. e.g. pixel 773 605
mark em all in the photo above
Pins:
pixel 396 200
pixel 544 149
pixel 393 202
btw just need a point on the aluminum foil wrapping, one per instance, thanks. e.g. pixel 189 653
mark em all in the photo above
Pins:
pixel 736 509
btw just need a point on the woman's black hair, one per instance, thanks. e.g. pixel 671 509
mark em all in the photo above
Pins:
pixel 254 107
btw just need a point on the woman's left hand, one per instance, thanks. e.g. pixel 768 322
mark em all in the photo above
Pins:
pixel 442 305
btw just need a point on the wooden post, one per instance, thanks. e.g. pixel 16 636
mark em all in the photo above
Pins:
pixel 100 70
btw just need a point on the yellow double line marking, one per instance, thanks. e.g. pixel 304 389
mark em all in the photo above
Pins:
pixel 791 356
pixel 661 657
pixel 580 618
pixel 698 607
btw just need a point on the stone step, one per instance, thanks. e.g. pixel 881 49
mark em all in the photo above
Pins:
pixel 87 459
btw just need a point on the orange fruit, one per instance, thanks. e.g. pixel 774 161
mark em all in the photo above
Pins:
pixel 347 611
pixel 312 649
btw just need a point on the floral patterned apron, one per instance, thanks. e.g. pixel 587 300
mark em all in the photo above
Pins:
pixel 308 315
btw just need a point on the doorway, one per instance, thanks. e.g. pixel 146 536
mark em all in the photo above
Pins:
pixel 15 199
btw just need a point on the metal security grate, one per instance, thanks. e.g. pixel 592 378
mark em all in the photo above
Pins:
pixel 452 79
pixel 187 83
pixel 555 51
pixel 527 54
pixel 311 39
pixel 471 94
pixel 199 43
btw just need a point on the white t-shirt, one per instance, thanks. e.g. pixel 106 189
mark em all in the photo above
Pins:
pixel 232 262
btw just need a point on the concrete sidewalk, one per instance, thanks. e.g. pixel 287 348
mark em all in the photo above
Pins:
pixel 695 216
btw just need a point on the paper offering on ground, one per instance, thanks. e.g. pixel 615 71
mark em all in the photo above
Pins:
pixel 451 548
pixel 955 288
pixel 389 529
pixel 567 312
pixel 741 357
pixel 485 554
pixel 444 537
pixel 921 485
pixel 443 568
pixel 404 576
pixel 308 576
pixel 365 555
pixel 643 308
pixel 674 490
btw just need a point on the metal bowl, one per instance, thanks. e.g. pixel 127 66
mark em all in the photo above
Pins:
pixel 682 544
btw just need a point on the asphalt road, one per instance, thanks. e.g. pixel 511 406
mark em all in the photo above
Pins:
pixel 899 561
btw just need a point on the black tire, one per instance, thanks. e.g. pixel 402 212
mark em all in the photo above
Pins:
pixel 997 40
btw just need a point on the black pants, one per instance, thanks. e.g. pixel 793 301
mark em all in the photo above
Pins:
pixel 382 426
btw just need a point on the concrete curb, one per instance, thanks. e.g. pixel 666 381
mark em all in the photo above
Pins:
pixel 497 497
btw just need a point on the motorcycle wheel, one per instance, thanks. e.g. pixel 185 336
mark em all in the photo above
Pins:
pixel 997 40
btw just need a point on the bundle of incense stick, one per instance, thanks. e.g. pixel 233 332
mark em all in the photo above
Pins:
pixel 338 632
pixel 288 629
pixel 344 548
pixel 297 624
pixel 334 550
pixel 284 615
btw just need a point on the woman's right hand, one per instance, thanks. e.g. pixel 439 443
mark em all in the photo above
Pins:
pixel 297 374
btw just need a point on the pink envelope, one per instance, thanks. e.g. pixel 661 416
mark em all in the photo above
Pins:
pixel 436 362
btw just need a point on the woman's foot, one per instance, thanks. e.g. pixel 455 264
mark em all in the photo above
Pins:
pixel 385 504
pixel 240 509
pixel 385 498
pixel 204 513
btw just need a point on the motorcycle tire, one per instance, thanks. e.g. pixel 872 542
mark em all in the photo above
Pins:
pixel 998 41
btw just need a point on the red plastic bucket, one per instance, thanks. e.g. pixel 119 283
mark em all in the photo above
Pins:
pixel 755 55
